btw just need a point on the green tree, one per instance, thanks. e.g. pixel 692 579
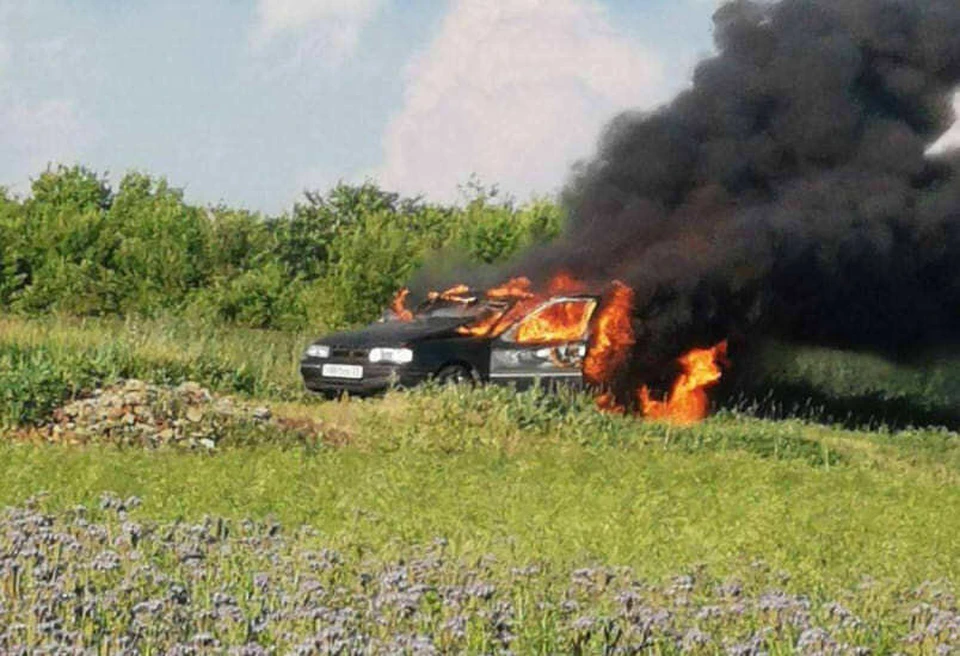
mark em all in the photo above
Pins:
pixel 242 241
pixel 161 246
pixel 304 239
pixel 64 243
pixel 12 262
pixel 492 228
pixel 370 263
pixel 70 189
pixel 76 246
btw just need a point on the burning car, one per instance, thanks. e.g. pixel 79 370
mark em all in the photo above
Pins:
pixel 503 335
pixel 564 333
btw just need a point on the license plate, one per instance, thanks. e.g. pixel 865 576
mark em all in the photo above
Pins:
pixel 351 371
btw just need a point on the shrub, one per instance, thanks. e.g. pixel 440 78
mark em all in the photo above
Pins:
pixel 31 386
pixel 261 297
pixel 305 241
pixel 13 272
pixel 163 247
pixel 371 263
pixel 75 246
pixel 58 243
pixel 241 241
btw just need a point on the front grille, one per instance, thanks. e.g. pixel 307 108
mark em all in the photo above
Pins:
pixel 349 353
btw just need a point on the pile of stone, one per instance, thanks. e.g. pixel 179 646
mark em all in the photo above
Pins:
pixel 136 413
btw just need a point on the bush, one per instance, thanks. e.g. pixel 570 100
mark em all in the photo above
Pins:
pixel 257 298
pixel 308 240
pixel 371 263
pixel 12 265
pixel 31 386
pixel 491 231
pixel 76 247
pixel 57 243
pixel 162 248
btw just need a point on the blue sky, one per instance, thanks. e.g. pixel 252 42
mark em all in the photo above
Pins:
pixel 248 102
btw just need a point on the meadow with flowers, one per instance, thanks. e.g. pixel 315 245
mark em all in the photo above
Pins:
pixel 457 520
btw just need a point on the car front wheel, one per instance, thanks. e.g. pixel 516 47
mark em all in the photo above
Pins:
pixel 456 374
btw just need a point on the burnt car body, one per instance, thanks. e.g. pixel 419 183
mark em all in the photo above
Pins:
pixel 436 344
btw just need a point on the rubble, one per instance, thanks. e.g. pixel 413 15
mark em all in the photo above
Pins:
pixel 136 413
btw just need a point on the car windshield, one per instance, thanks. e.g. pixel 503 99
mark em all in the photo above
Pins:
pixel 460 306
pixel 454 309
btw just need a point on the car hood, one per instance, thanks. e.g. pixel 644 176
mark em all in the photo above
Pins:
pixel 393 333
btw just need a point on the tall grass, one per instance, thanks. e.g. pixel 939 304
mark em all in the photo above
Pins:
pixel 856 390
pixel 46 360
pixel 43 362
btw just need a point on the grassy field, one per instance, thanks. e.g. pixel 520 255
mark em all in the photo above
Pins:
pixel 478 520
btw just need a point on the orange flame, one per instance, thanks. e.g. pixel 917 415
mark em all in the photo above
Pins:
pixel 608 403
pixel 688 402
pixel 561 322
pixel 516 288
pixel 482 327
pixel 564 283
pixel 612 336
pixel 611 339
pixel 399 306
pixel 495 323
pixel 457 294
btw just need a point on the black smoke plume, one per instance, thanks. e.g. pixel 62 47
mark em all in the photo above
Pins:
pixel 787 194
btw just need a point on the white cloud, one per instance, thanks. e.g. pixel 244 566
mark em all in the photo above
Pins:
pixel 325 29
pixel 514 91
pixel 951 140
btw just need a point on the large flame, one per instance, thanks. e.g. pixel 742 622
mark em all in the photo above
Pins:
pixel 561 322
pixel 687 402
pixel 517 290
pixel 612 337
pixel 608 323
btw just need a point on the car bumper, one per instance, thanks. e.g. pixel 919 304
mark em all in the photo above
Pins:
pixel 376 377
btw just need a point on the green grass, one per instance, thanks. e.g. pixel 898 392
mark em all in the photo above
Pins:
pixel 823 385
pixel 813 508
pixel 856 390
pixel 657 511
pixel 45 362
pixel 828 506
pixel 167 350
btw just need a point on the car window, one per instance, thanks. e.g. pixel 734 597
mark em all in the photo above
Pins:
pixel 467 310
pixel 564 320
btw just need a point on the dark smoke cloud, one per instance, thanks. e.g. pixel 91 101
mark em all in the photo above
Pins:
pixel 787 194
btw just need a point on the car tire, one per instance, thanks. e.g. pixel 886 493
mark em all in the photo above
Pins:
pixel 456 374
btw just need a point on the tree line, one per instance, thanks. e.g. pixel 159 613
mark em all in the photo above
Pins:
pixel 78 246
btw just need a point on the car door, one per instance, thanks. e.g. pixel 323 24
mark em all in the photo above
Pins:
pixel 548 344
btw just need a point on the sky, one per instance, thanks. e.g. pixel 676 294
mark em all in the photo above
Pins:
pixel 250 102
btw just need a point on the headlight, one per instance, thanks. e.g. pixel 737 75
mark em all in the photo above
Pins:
pixel 394 355
pixel 318 351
